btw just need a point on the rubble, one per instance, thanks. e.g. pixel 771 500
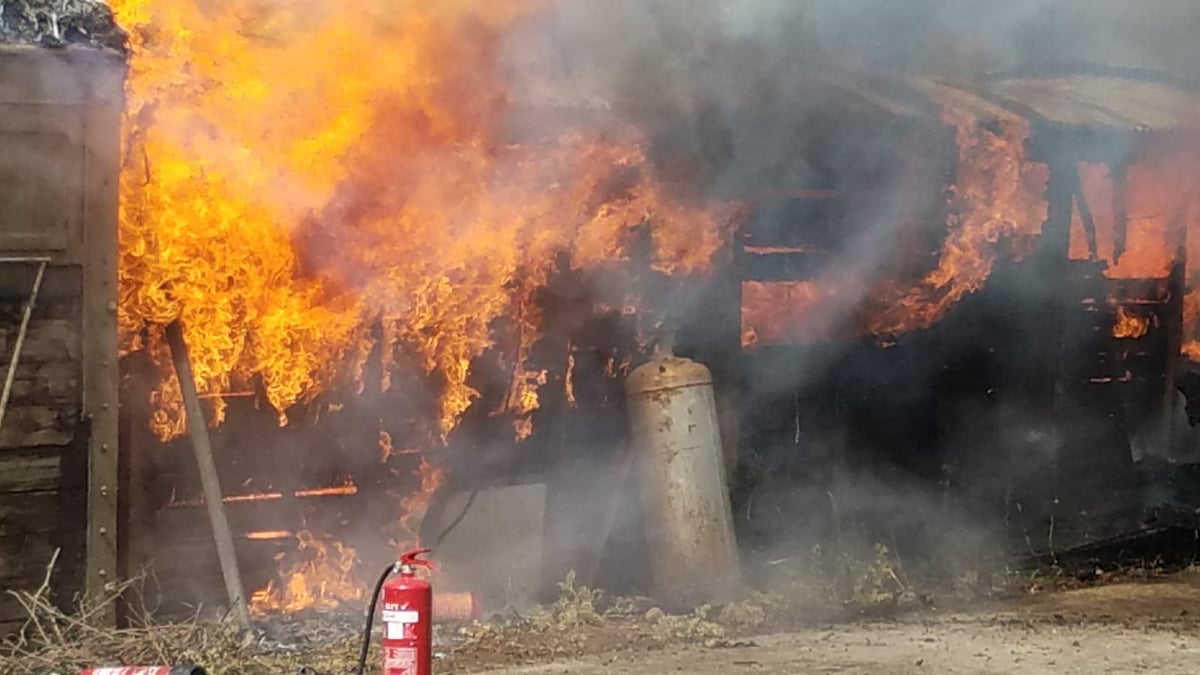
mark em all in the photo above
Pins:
pixel 59 23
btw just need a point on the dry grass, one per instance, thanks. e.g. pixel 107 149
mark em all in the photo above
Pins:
pixel 55 641
pixel 582 620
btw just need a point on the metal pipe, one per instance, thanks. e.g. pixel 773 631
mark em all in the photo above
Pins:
pixel 25 259
pixel 16 356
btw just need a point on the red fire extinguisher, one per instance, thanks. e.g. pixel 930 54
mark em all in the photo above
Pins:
pixel 407 618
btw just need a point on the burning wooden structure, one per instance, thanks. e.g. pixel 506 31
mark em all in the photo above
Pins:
pixel 1026 390
pixel 1074 348
pixel 60 113
pixel 362 345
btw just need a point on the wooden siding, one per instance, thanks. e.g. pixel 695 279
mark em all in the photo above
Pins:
pixel 60 133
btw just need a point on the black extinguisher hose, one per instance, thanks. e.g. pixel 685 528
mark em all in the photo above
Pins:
pixel 366 642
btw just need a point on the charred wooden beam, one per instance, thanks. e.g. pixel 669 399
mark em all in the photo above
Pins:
pixel 1085 213
pixel 1120 199
pixel 780 263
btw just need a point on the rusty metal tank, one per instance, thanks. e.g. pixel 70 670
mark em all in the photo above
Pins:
pixel 677 442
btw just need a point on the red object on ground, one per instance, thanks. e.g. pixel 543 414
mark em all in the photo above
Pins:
pixel 145 670
pixel 408 619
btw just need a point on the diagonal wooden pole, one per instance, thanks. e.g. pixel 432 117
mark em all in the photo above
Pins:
pixel 202 447
pixel 10 376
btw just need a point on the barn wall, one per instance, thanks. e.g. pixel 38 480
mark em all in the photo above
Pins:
pixel 59 162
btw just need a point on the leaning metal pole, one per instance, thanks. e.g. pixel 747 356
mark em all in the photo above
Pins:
pixel 202 447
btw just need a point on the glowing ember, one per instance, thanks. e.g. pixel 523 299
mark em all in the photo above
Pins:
pixel 268 535
pixel 317 575
pixel 346 489
pixel 1191 349
pixel 1129 325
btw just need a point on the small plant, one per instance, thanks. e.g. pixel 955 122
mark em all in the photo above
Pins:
pixel 576 605
pixel 697 626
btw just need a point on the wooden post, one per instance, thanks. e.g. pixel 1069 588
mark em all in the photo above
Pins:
pixel 202 447
pixel 102 160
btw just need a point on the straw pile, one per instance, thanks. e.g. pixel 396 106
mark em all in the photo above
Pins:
pixel 59 23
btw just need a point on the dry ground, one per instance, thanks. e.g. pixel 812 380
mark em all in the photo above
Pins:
pixel 1125 628
pixel 1145 622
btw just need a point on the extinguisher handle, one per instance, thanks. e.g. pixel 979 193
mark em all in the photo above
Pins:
pixel 412 560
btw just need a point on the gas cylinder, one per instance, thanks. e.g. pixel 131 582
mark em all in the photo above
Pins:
pixel 681 469
pixel 408 619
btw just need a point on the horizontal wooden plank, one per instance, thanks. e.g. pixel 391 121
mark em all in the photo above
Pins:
pixel 11 611
pixel 39 512
pixel 38 425
pixel 10 627
pixel 63 392
pixel 24 558
pixel 30 469
pixel 46 340
pixel 322 514
pixel 34 469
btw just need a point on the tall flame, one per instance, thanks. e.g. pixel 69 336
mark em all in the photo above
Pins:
pixel 296 172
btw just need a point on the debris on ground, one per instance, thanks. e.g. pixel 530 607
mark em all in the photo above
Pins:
pixel 59 23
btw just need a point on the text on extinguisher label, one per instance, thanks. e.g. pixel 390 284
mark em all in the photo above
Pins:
pixel 401 616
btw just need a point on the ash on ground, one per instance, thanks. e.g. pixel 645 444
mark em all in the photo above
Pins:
pixel 59 23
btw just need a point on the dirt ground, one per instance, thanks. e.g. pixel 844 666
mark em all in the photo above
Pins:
pixel 1123 628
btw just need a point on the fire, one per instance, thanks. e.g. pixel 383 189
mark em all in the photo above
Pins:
pixel 322 578
pixel 779 312
pixel 997 196
pixel 1129 325
pixel 296 173
pixel 414 504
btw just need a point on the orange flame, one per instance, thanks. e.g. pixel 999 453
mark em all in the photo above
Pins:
pixel 1129 325
pixel 997 195
pixel 782 311
pixel 294 173
pixel 323 578
pixel 413 505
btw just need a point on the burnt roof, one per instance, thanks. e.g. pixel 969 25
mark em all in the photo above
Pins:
pixel 1116 101
pixel 59 23
pixel 1101 102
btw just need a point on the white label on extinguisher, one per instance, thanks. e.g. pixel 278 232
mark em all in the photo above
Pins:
pixel 399 660
pixel 401 616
